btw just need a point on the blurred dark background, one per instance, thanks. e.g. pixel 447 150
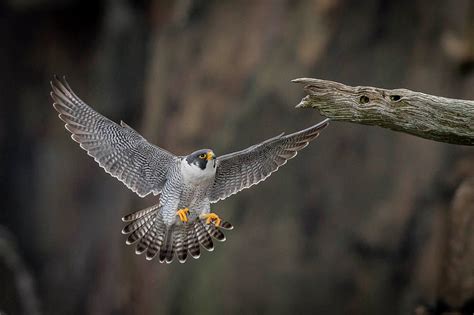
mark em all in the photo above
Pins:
pixel 356 224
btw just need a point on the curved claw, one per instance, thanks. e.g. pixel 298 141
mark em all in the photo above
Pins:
pixel 182 213
pixel 212 218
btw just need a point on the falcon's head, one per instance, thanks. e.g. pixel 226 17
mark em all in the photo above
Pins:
pixel 203 159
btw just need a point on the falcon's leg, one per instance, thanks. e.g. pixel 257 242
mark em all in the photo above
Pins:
pixel 211 217
pixel 182 213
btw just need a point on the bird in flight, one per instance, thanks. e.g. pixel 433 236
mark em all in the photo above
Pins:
pixel 181 222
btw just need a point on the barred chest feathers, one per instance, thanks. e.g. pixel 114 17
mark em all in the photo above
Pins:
pixel 194 175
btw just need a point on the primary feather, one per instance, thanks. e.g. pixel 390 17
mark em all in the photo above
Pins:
pixel 183 182
pixel 120 151
pixel 243 169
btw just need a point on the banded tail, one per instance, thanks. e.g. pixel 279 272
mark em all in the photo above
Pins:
pixel 152 236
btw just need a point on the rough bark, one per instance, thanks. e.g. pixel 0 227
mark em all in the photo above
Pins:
pixel 423 115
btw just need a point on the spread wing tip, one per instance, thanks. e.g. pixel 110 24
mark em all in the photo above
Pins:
pixel 269 156
pixel 324 123
pixel 59 84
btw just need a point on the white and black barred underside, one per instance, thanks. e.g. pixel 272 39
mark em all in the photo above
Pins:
pixel 150 235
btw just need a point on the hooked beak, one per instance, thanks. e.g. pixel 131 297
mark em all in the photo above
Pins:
pixel 210 156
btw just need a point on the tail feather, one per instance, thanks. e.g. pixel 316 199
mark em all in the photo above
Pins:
pixel 180 244
pixel 167 250
pixel 148 238
pixel 152 236
pixel 144 242
pixel 133 226
pixel 155 246
pixel 193 243
pixel 140 213
pixel 139 233
pixel 226 225
pixel 215 232
pixel 203 237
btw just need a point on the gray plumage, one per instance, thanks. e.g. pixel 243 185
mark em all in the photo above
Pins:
pixel 185 183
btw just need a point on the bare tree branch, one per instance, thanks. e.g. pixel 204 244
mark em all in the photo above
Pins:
pixel 423 115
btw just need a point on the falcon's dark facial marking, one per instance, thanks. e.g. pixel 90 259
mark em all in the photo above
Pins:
pixel 201 158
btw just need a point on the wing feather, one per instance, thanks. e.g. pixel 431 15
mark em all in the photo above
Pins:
pixel 118 149
pixel 243 169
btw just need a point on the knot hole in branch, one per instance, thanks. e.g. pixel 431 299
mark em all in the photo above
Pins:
pixel 364 99
pixel 395 98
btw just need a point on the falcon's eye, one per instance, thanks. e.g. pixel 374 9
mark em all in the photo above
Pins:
pixel 202 156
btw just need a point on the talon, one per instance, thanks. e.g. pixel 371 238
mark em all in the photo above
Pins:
pixel 182 213
pixel 212 218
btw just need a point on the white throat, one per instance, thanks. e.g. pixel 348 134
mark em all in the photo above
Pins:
pixel 193 174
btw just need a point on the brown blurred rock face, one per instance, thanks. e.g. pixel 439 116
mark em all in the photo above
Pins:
pixel 353 225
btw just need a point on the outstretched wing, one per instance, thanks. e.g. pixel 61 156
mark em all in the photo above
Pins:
pixel 240 170
pixel 120 151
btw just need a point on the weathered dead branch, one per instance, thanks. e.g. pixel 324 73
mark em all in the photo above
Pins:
pixel 423 115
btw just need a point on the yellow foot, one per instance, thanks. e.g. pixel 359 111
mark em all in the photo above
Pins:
pixel 212 217
pixel 182 213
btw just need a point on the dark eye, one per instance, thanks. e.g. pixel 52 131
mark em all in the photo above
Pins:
pixel 202 156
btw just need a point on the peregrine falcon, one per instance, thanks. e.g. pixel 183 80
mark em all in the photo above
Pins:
pixel 181 222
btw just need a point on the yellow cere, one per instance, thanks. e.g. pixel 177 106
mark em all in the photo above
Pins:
pixel 209 155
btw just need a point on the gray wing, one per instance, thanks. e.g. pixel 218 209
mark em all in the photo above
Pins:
pixel 240 170
pixel 120 151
